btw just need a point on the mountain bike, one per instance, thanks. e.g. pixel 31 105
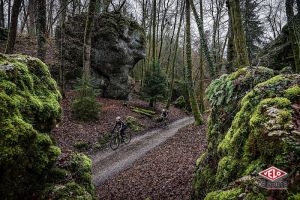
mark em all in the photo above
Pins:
pixel 116 139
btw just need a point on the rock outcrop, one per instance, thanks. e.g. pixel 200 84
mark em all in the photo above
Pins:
pixel 29 109
pixel 254 124
pixel 279 53
pixel 118 43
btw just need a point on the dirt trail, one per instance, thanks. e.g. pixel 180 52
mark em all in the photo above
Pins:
pixel 109 163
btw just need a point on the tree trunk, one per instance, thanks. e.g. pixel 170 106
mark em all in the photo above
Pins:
pixel 31 15
pixel 1 13
pixel 63 15
pixel 154 33
pixel 230 45
pixel 87 40
pixel 242 58
pixel 294 34
pixel 13 27
pixel 41 28
pixel 192 98
pixel 172 38
pixel 204 43
pixel 201 81
pixel 174 59
pixel 9 13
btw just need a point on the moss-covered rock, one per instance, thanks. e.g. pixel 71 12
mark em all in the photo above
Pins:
pixel 251 127
pixel 29 109
pixel 118 43
pixel 224 195
pixel 70 179
pixel 69 191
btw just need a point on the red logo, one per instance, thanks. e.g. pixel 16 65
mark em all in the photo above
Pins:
pixel 272 173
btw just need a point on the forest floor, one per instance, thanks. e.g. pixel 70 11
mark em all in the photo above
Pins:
pixel 164 172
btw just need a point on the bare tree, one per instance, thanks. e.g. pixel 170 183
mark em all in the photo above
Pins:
pixel 190 86
pixel 13 26
pixel 2 19
pixel 242 58
pixel 87 40
pixel 41 28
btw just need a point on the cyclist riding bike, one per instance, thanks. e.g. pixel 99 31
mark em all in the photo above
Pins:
pixel 121 127
pixel 164 116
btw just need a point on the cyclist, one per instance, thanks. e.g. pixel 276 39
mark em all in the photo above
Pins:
pixel 122 127
pixel 164 116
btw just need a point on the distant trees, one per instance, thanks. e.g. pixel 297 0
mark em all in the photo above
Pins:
pixel 204 42
pixel 253 27
pixel 85 106
pixel 155 85
pixel 174 58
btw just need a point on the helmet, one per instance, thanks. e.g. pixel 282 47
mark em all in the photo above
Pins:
pixel 118 118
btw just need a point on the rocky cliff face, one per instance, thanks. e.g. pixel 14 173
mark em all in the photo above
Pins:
pixel 254 124
pixel 118 43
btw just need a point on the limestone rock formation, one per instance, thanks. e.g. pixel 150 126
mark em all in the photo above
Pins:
pixel 278 53
pixel 118 43
pixel 29 108
pixel 254 124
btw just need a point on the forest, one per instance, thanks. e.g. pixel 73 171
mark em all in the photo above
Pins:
pixel 150 99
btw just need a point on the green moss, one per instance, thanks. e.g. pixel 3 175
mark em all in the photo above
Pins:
pixel 227 170
pixel 180 102
pixel 133 124
pixel 29 107
pixel 255 196
pixel 224 195
pixel 204 176
pixel 294 197
pixel 201 159
pixel 68 191
pixel 254 166
pixel 82 146
pixel 293 93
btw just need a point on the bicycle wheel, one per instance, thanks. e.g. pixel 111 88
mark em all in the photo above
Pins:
pixel 127 137
pixel 114 142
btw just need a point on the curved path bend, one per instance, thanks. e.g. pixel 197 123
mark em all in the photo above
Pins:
pixel 108 163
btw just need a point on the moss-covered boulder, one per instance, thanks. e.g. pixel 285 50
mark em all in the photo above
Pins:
pixel 118 43
pixel 29 108
pixel 251 127
pixel 70 179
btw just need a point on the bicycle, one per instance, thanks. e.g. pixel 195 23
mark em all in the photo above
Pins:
pixel 116 139
pixel 163 122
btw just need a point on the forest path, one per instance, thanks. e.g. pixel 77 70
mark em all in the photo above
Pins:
pixel 108 163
